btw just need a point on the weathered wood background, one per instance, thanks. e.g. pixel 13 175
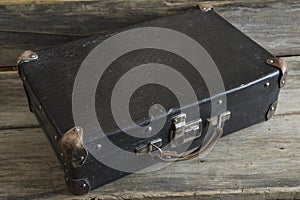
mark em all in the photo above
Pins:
pixel 29 24
pixel 260 162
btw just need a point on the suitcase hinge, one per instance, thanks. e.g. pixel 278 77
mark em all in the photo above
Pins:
pixel 204 7
pixel 183 132
pixel 281 64
pixel 72 147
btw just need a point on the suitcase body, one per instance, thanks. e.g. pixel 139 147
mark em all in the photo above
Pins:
pixel 160 91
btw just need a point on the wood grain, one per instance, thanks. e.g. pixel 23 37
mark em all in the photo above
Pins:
pixel 289 97
pixel 55 22
pixel 14 110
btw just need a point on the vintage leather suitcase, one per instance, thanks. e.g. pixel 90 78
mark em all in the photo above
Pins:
pixel 161 91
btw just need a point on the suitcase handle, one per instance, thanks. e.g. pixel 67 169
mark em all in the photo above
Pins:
pixel 204 149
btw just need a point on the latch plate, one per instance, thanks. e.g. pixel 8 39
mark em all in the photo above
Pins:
pixel 148 148
pixel 218 120
pixel 183 132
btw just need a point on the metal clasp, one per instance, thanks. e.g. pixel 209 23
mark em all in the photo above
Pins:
pixel 183 132
pixel 148 148
pixel 219 120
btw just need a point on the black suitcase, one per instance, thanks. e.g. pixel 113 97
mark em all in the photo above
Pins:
pixel 139 99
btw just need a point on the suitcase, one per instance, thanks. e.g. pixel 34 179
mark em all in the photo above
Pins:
pixel 151 94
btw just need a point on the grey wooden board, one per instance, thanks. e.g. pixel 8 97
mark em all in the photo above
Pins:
pixel 273 24
pixel 14 110
pixel 260 162
pixel 289 97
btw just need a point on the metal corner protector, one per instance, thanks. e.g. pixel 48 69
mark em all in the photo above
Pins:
pixel 205 7
pixel 72 147
pixel 280 64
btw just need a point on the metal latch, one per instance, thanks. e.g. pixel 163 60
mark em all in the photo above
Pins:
pixel 219 120
pixel 148 148
pixel 183 132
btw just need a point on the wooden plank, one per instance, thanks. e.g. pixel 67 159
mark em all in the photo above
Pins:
pixel 289 97
pixel 14 111
pixel 275 26
pixel 86 17
pixel 272 24
pixel 260 162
